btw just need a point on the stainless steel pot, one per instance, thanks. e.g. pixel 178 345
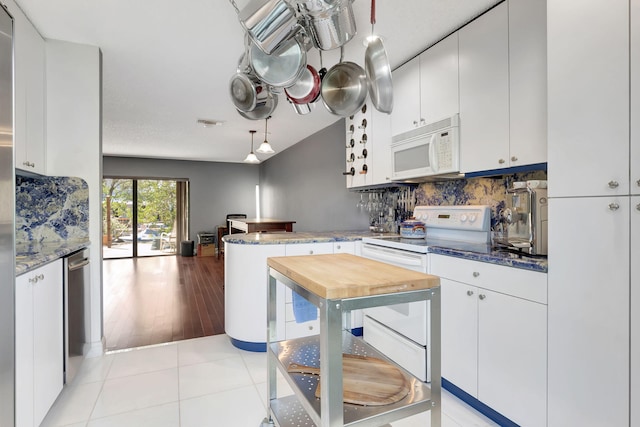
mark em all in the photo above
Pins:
pixel 263 110
pixel 269 23
pixel 344 89
pixel 283 67
pixel 306 89
pixel 247 92
pixel 331 26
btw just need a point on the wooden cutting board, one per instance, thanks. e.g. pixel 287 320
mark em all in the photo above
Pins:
pixel 367 381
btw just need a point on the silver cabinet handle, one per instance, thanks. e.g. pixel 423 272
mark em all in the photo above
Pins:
pixel 501 161
pixel 469 293
pixel 415 123
pixel 514 159
pixel 311 252
pixel 613 184
pixel 614 206
pixel 482 296
pixel 638 207
pixel 338 247
pixel 28 164
pixel 36 278
pixel 476 274
pixel 638 183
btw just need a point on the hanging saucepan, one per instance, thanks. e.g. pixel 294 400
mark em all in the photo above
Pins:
pixel 301 109
pixel 247 92
pixel 306 89
pixel 331 24
pixel 344 88
pixel 263 110
pixel 269 23
pixel 283 67
pixel 378 71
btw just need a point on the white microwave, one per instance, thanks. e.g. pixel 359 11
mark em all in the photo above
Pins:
pixel 429 150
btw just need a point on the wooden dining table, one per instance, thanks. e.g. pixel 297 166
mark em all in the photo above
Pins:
pixel 253 225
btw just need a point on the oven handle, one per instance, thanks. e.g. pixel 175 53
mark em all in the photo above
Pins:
pixel 78 266
pixel 392 256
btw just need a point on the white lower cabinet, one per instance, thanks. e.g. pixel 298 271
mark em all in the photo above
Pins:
pixel 39 342
pixel 494 335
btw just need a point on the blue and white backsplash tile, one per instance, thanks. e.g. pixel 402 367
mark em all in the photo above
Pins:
pixel 51 209
pixel 472 191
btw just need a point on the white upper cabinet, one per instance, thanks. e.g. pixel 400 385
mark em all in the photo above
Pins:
pixel 439 80
pixel 406 98
pixel 29 54
pixel 527 82
pixel 588 81
pixel 484 92
pixel 426 88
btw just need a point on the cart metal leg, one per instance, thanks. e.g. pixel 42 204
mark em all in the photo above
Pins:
pixel 272 392
pixel 331 404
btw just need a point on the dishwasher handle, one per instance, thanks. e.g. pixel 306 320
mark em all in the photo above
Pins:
pixel 79 265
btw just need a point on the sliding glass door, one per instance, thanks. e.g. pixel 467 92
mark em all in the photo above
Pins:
pixel 157 209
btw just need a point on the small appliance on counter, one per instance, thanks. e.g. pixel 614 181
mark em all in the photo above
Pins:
pixel 526 217
pixel 413 229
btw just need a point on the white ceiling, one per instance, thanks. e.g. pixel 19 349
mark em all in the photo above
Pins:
pixel 167 64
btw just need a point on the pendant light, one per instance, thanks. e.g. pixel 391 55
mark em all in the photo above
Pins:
pixel 251 158
pixel 265 147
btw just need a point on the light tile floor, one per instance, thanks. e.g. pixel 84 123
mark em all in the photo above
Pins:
pixel 195 383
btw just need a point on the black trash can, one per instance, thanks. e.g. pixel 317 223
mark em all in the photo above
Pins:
pixel 186 248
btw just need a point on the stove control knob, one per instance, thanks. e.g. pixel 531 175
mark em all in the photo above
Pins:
pixel 472 218
pixel 463 218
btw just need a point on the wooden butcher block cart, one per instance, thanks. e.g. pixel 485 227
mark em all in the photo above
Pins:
pixel 337 378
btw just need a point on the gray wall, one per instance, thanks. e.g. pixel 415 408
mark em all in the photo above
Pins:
pixel 304 183
pixel 216 188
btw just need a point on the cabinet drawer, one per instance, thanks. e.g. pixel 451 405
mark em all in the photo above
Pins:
pixel 530 285
pixel 309 248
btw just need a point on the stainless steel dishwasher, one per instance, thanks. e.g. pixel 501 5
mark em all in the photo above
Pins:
pixel 76 283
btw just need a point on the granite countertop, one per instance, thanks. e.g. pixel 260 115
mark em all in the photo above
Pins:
pixel 482 253
pixel 297 237
pixel 509 259
pixel 30 256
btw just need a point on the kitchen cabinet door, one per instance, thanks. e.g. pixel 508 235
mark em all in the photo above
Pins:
pixel 309 248
pixel 439 96
pixel 512 368
pixel 588 91
pixel 344 248
pixel 460 334
pixel 484 91
pixel 635 311
pixel 527 82
pixel 39 342
pixel 380 148
pixel 588 311
pixel 29 94
pixel 24 351
pixel 635 98
pixel 406 98
pixel 48 339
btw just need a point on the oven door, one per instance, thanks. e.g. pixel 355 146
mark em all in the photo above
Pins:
pixel 409 319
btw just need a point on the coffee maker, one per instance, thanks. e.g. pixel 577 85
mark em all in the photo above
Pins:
pixel 526 217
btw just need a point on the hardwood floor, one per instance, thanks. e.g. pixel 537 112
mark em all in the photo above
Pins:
pixel 152 300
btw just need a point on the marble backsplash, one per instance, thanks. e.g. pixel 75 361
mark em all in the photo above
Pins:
pixel 50 209
pixel 388 207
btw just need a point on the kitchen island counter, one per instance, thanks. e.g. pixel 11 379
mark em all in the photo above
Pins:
pixel 298 237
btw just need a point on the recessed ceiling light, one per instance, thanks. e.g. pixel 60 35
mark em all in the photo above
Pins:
pixel 209 123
